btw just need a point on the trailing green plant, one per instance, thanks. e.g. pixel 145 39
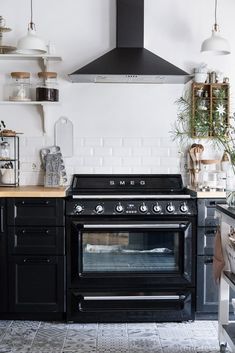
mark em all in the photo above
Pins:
pixel 186 131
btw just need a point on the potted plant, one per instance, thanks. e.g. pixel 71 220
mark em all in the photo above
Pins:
pixel 223 137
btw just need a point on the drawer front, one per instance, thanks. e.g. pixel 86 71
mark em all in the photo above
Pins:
pixel 35 212
pixel 205 240
pixel 36 240
pixel 206 212
pixel 36 284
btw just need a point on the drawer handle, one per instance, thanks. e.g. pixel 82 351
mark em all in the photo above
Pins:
pixel 46 231
pixel 47 202
pixel 37 261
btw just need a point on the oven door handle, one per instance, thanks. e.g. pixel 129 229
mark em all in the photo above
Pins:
pixel 139 226
pixel 137 297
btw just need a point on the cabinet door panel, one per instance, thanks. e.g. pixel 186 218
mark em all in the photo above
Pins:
pixel 3 259
pixel 36 283
pixel 36 211
pixel 36 240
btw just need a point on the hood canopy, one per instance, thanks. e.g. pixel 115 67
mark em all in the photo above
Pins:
pixel 130 62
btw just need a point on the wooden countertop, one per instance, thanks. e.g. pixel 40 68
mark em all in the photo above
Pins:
pixel 209 194
pixel 32 191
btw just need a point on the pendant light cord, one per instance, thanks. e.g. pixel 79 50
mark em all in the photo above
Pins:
pixel 216 25
pixel 31 24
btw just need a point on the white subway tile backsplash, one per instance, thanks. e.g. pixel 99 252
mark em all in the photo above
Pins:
pixel 113 141
pixel 93 141
pixel 131 161
pixel 113 155
pixel 132 141
pixel 102 170
pixel 150 161
pixel 121 170
pixel 171 162
pixel 83 151
pixel 92 161
pixel 160 151
pixel 102 151
pixel 82 170
pixel 111 161
pixel 151 141
pixel 141 151
pixel 79 142
pixel 140 170
pixel 121 151
pixel 166 142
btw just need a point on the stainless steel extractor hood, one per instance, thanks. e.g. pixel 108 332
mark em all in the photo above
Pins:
pixel 130 62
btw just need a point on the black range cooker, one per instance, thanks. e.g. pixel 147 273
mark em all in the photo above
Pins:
pixel 130 249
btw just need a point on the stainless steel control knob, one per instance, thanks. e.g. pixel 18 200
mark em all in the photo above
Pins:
pixel 157 208
pixel 119 208
pixel 78 209
pixel 170 207
pixel 99 209
pixel 184 207
pixel 143 208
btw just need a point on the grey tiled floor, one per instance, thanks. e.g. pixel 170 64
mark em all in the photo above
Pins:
pixel 45 337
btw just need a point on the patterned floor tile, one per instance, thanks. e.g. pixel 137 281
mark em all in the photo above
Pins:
pixel 57 337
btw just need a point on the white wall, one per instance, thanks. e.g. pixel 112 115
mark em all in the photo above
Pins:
pixel 117 127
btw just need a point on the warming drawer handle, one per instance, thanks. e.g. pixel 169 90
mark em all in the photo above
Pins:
pixel 36 261
pixel 131 226
pixel 138 297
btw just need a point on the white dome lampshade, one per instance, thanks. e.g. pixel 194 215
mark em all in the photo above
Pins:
pixel 216 44
pixel 31 44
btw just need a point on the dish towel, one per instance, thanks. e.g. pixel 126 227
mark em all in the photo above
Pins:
pixel 218 259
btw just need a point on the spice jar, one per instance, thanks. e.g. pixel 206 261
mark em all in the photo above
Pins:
pixel 4 150
pixel 20 87
pixel 47 87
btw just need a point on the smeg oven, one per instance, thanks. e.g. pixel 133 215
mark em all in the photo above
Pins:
pixel 127 262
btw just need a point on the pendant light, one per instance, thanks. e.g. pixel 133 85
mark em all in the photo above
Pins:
pixel 31 44
pixel 216 44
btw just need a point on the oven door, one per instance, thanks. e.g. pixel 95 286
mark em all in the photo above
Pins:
pixel 132 254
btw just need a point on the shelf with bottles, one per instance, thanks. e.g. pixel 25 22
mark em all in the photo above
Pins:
pixel 9 161
pixel 210 109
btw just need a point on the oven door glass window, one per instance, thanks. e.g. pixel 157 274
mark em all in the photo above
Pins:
pixel 158 248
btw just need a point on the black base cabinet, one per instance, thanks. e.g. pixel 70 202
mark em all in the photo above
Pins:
pixel 36 257
pixel 3 259
pixel 36 283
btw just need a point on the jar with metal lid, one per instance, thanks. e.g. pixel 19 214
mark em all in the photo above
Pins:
pixel 4 150
pixel 20 87
pixel 47 87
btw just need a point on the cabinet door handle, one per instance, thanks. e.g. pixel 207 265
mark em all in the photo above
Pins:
pixel 40 231
pixel 47 202
pixel 2 219
pixel 36 261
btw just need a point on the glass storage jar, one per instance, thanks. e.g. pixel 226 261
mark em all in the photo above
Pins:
pixel 4 150
pixel 47 87
pixel 20 87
